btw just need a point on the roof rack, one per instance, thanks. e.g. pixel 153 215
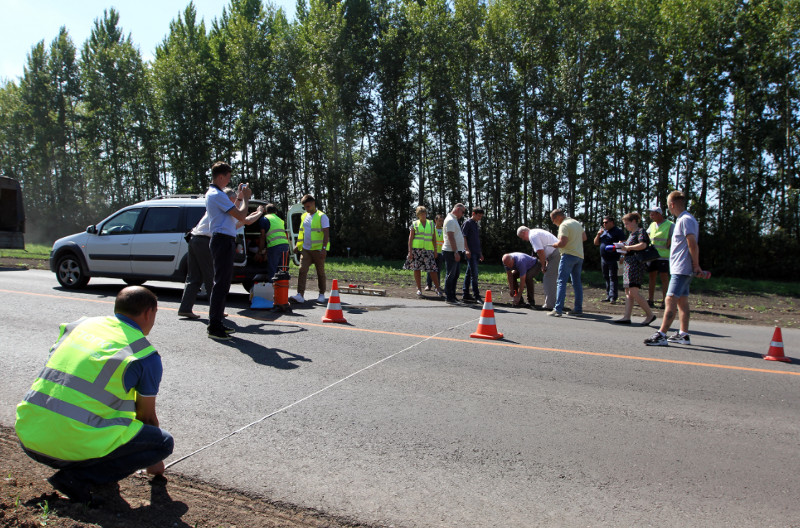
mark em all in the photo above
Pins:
pixel 169 196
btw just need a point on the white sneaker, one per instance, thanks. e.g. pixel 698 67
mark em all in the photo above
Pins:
pixel 298 298
pixel 321 298
pixel 419 293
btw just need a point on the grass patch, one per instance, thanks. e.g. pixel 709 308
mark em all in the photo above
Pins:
pixel 31 251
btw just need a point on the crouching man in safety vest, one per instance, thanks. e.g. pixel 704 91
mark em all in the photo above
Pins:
pixel 91 413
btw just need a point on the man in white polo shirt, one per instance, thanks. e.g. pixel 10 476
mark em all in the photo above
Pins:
pixel 222 215
pixel 547 256
pixel 452 250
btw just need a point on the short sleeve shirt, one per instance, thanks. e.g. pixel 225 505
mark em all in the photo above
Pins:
pixel 680 260
pixel 323 223
pixel 541 239
pixel 217 206
pixel 472 231
pixel 573 230
pixel 203 227
pixel 451 226
pixel 523 263
pixel 144 375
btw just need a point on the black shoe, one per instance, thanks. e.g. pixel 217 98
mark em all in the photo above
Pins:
pixel 229 330
pixel 219 334
pixel 70 487
pixel 467 298
pixel 478 299
pixel 605 300
pixel 651 303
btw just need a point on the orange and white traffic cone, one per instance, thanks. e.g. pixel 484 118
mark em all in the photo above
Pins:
pixel 776 348
pixel 487 329
pixel 333 314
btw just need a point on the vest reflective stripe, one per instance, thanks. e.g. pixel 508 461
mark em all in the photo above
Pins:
pixel 277 231
pixel 439 239
pixel 423 235
pixel 78 408
pixel 73 411
pixel 660 237
pixel 93 390
pixel 317 234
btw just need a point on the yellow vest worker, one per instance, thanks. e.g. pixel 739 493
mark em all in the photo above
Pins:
pixel 90 413
pixel 313 243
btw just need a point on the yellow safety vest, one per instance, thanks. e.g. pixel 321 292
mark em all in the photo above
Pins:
pixel 439 239
pixel 77 408
pixel 423 235
pixel 659 237
pixel 317 236
pixel 276 235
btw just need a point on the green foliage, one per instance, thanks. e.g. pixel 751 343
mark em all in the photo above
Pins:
pixel 517 106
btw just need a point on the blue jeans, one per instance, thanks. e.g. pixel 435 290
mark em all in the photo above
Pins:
pixel 149 446
pixel 570 266
pixel 610 273
pixel 223 250
pixel 471 276
pixel 275 258
pixel 453 271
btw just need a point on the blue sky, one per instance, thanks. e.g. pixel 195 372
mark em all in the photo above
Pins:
pixel 29 21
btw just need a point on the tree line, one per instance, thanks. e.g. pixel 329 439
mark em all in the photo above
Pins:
pixel 516 106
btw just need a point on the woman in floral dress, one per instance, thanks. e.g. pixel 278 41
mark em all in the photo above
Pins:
pixel 422 250
pixel 634 270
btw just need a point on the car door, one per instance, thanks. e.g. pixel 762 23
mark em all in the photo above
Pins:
pixel 156 246
pixel 108 251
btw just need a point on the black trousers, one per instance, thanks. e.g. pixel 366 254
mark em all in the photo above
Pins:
pixel 223 249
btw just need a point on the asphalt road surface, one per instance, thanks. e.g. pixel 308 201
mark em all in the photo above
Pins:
pixel 399 418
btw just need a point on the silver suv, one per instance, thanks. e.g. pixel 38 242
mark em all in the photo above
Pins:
pixel 144 241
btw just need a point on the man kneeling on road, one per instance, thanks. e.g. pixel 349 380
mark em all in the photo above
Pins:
pixel 523 267
pixel 91 413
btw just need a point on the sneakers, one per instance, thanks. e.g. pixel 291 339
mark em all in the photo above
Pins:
pixel 440 293
pixel 554 313
pixel 478 299
pixel 679 339
pixel 467 298
pixel 657 339
pixel 70 487
pixel 222 333
pixel 419 293
pixel 298 298
pixel 428 288
pixel 576 313
pixel 321 298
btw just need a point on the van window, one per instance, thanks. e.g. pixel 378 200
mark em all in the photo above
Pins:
pixel 193 216
pixel 161 220
pixel 122 224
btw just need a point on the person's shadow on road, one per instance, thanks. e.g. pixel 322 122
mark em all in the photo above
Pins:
pixel 262 355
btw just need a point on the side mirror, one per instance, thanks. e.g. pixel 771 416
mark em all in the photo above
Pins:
pixel 92 229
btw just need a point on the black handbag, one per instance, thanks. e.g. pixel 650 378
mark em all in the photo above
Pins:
pixel 647 254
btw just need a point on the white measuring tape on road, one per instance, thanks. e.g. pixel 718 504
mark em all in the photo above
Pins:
pixel 301 400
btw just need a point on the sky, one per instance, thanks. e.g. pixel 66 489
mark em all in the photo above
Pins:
pixel 147 21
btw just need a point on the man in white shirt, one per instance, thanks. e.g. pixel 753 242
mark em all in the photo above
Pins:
pixel 222 216
pixel 452 250
pixel 548 257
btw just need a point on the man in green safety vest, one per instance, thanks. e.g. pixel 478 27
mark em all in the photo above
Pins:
pixel 660 233
pixel 273 244
pixel 91 412
pixel 312 245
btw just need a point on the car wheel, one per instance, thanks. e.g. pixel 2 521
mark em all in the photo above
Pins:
pixel 70 273
pixel 247 284
pixel 134 282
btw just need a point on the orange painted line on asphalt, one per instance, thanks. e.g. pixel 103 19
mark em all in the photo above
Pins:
pixel 452 339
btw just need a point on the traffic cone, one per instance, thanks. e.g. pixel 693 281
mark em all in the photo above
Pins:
pixel 334 312
pixel 776 348
pixel 487 329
